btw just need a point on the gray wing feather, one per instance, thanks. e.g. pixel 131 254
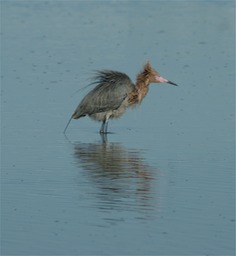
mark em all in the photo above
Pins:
pixel 111 90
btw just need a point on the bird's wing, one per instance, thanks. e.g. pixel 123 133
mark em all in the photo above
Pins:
pixel 112 89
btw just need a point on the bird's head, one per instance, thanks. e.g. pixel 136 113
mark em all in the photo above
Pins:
pixel 153 76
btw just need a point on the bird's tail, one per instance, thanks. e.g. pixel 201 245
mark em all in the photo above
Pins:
pixel 67 124
pixel 75 115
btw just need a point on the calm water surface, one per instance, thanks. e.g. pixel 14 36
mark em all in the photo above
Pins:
pixel 162 183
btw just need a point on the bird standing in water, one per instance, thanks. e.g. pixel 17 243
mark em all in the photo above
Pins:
pixel 114 93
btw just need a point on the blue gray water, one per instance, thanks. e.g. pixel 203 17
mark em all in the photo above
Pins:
pixel 162 183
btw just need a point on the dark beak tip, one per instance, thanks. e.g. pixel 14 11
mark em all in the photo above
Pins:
pixel 169 82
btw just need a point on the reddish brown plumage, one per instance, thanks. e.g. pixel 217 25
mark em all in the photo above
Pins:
pixel 144 78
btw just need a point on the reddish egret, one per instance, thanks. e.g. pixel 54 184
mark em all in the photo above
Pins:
pixel 114 93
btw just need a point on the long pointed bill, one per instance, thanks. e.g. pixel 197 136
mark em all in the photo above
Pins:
pixel 169 82
pixel 163 80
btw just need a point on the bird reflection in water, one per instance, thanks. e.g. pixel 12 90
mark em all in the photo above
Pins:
pixel 121 177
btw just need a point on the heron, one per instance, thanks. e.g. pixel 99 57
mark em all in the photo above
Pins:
pixel 114 93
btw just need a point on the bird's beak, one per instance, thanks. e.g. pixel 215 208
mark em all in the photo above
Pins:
pixel 169 82
pixel 163 80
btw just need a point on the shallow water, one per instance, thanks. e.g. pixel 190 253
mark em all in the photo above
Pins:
pixel 162 183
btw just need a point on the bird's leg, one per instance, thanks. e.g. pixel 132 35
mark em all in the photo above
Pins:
pixel 104 126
